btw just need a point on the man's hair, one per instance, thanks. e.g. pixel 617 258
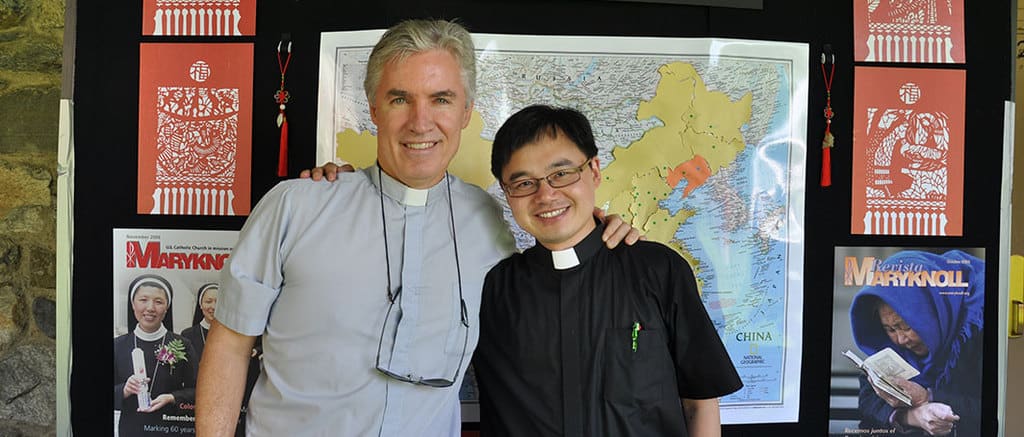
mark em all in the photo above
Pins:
pixel 414 36
pixel 530 123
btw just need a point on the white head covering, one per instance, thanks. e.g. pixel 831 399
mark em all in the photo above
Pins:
pixel 152 281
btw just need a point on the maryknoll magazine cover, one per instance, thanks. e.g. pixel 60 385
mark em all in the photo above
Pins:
pixel 164 297
pixel 165 292
pixel 907 341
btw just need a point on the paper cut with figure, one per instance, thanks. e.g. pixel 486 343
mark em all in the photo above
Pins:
pixel 908 157
pixel 199 17
pixel 195 123
pixel 926 31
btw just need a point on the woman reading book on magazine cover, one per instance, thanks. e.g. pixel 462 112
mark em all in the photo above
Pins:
pixel 929 309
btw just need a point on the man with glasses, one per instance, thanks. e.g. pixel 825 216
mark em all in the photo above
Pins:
pixel 577 339
pixel 367 290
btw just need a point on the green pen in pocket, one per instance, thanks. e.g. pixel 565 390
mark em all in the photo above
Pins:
pixel 636 333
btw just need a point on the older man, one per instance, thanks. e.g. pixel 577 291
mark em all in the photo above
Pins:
pixel 367 290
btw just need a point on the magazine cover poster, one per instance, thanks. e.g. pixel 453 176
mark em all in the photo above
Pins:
pixel 907 328
pixel 165 292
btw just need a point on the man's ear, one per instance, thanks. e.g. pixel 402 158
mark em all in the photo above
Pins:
pixel 595 166
pixel 468 115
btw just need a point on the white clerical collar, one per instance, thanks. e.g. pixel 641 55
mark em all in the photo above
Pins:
pixel 398 191
pixel 565 258
pixel 414 197
pixel 150 336
pixel 204 323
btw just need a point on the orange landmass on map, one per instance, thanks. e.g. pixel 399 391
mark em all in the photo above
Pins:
pixel 696 171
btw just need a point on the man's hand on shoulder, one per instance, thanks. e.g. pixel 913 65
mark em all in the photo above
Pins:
pixel 327 171
pixel 617 230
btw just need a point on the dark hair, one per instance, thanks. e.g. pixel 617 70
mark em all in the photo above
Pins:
pixel 155 281
pixel 530 123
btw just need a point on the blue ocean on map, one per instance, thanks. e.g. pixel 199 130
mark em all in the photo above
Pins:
pixel 738 234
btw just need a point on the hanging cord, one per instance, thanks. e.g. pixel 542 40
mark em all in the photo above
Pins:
pixel 281 97
pixel 384 226
pixel 829 141
pixel 464 313
pixel 455 243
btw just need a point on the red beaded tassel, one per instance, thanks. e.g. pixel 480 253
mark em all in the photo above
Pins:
pixel 829 140
pixel 281 97
pixel 826 159
pixel 282 151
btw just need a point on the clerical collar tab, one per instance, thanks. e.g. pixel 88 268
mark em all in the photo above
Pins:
pixel 414 197
pixel 565 259
pixel 398 191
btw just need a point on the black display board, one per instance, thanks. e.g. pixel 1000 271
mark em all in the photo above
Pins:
pixel 748 4
pixel 106 122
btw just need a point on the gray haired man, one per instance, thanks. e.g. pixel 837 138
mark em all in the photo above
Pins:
pixel 366 290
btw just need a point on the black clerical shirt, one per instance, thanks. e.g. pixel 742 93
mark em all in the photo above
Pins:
pixel 556 355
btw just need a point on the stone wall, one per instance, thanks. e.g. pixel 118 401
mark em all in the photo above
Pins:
pixel 31 35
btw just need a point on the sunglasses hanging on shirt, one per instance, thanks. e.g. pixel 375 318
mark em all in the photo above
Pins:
pixel 396 296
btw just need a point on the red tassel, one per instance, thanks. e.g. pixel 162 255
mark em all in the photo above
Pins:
pixel 282 154
pixel 829 140
pixel 826 159
pixel 826 167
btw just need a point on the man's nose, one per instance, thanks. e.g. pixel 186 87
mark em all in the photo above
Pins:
pixel 544 189
pixel 420 117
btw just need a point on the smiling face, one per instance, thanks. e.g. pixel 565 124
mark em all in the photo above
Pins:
pixel 899 332
pixel 149 305
pixel 420 109
pixel 558 217
pixel 209 304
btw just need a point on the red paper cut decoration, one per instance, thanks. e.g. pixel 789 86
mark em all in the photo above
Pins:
pixel 199 17
pixel 908 158
pixel 926 31
pixel 195 124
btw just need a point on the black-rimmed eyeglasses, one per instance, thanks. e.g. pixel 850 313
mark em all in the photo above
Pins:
pixel 558 179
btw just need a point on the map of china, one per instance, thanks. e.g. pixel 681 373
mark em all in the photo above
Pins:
pixel 699 136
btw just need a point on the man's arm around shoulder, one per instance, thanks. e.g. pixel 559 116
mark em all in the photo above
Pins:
pixel 221 383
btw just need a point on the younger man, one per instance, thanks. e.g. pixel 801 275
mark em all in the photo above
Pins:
pixel 577 339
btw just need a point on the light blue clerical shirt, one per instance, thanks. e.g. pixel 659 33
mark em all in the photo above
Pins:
pixel 309 273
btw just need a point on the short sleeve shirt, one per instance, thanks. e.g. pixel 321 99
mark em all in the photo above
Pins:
pixel 311 274
pixel 605 348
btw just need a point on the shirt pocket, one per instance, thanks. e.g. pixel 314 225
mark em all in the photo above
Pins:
pixel 457 338
pixel 424 336
pixel 637 377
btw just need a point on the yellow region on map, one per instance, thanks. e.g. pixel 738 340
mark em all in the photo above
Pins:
pixel 701 135
pixel 472 163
